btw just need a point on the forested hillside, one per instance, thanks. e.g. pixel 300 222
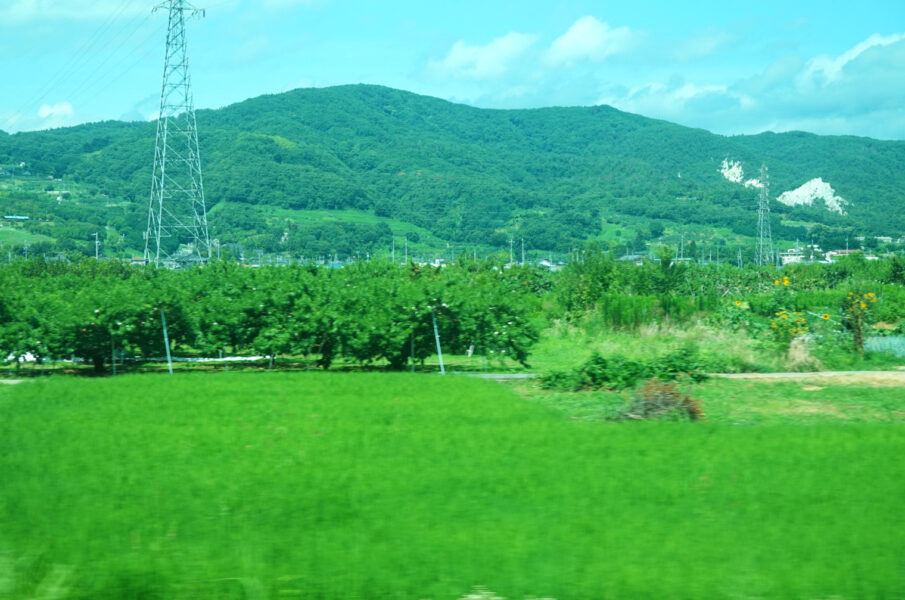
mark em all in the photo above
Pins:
pixel 466 175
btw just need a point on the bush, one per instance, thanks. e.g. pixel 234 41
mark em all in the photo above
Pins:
pixel 617 372
pixel 662 401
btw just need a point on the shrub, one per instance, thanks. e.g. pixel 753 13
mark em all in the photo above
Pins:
pixel 662 401
pixel 856 316
pixel 617 372
pixel 787 325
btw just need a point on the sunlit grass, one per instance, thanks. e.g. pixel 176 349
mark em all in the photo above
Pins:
pixel 564 347
pixel 415 486
pixel 808 401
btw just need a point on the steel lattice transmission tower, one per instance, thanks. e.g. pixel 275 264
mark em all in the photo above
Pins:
pixel 176 211
pixel 763 254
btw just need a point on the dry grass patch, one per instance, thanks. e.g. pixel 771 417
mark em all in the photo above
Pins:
pixel 872 379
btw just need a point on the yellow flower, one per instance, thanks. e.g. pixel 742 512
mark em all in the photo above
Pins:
pixel 776 282
pixel 738 302
pixel 825 317
pixel 863 305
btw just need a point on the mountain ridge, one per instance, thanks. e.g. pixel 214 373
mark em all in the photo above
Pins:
pixel 480 176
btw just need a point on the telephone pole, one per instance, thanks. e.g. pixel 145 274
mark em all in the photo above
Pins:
pixel 176 210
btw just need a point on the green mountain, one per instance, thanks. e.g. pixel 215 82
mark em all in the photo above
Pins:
pixel 448 173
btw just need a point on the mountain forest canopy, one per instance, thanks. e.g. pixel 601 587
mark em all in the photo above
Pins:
pixel 457 174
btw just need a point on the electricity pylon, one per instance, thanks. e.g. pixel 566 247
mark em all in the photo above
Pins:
pixel 763 254
pixel 176 211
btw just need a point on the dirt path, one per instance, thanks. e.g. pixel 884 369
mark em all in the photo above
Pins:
pixel 501 376
pixel 877 378
pixel 11 381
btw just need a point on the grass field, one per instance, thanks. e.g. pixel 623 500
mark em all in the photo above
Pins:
pixel 15 236
pixel 812 401
pixel 297 485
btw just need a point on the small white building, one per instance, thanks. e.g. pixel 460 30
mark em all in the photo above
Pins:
pixel 791 256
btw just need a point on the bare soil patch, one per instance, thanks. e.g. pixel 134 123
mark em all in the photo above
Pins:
pixel 871 378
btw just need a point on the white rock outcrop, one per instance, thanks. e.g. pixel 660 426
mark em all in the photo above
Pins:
pixel 815 189
pixel 732 170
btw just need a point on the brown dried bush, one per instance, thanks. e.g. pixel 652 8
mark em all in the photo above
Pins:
pixel 662 401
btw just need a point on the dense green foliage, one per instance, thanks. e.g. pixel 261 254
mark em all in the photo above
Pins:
pixel 413 487
pixel 616 372
pixel 381 313
pixel 366 312
pixel 472 177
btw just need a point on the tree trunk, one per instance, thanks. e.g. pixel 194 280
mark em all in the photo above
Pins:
pixel 98 364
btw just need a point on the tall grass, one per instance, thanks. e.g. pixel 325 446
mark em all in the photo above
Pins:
pixel 410 487
pixel 624 311
pixel 565 346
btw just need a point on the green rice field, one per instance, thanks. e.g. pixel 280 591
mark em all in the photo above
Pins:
pixel 415 487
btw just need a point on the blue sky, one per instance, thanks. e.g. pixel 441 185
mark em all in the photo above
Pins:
pixel 744 67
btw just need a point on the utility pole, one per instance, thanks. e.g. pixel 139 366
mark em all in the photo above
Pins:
pixel 393 252
pixel 437 339
pixel 511 256
pixel 763 255
pixel 523 252
pixel 176 208
pixel 97 246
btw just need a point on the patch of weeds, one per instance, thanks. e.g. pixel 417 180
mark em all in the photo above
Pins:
pixel 616 372
pixel 664 401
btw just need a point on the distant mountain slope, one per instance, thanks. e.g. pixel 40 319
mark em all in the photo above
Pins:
pixel 478 176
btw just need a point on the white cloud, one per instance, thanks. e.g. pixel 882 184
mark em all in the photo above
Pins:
pixel 677 99
pixel 490 61
pixel 48 116
pixel 831 68
pixel 61 110
pixel 589 39
pixel 57 115
pixel 854 93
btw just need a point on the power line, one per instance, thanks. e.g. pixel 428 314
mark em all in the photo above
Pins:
pixel 90 81
pixel 77 60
